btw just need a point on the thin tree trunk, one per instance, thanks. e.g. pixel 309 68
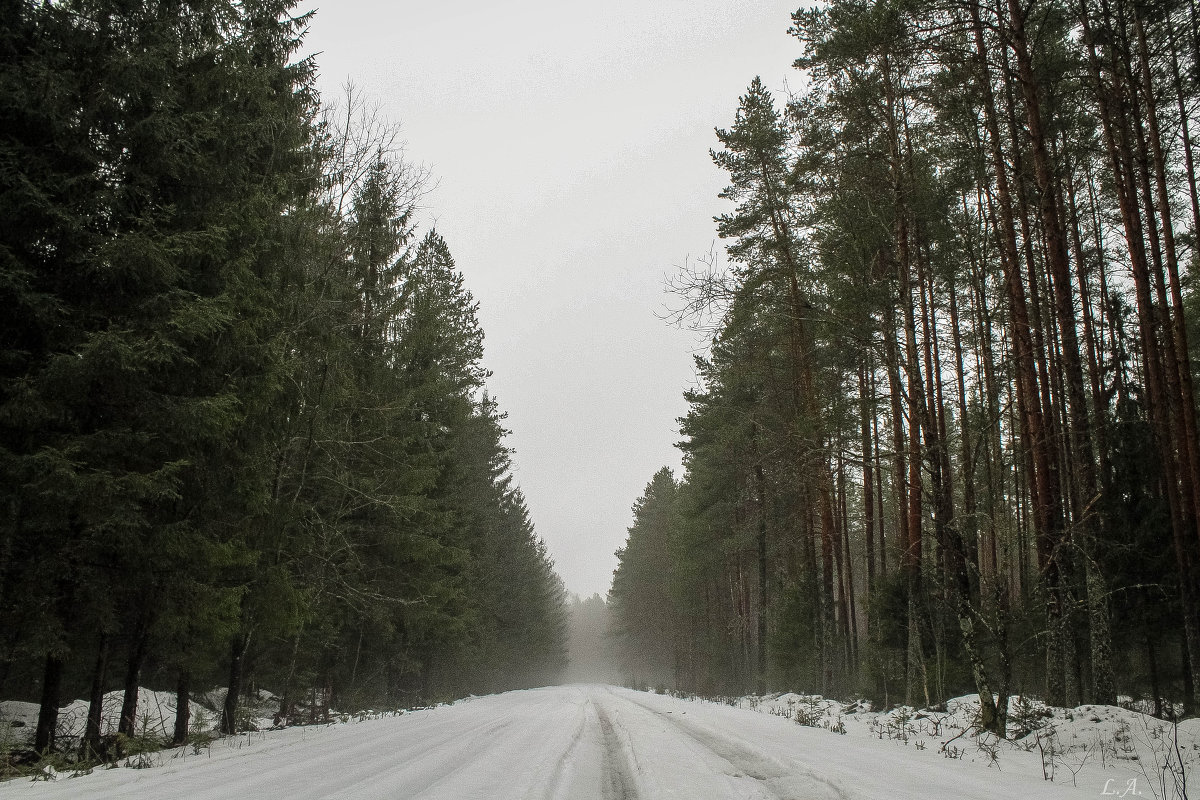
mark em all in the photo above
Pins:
pixel 92 745
pixel 1152 668
pixel 828 631
pixel 843 586
pixel 864 416
pixel 1185 134
pixel 879 511
pixel 183 709
pixel 760 487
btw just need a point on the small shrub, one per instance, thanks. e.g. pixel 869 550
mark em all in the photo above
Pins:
pixel 141 761
pixel 1027 717
pixel 809 712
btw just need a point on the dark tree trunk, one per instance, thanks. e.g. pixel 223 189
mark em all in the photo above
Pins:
pixel 851 610
pixel 899 448
pixel 760 487
pixel 843 600
pixel 1185 133
pixel 95 717
pixel 133 670
pixel 52 674
pixel 825 493
pixel 866 404
pixel 237 663
pixel 183 708
pixel 1189 704
pixel 1152 668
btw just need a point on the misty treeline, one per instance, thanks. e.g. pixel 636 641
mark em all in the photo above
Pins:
pixel 591 658
pixel 244 434
pixel 945 439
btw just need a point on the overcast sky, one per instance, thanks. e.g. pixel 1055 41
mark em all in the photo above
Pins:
pixel 569 142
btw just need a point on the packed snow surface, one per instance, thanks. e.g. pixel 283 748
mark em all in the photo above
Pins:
pixel 568 743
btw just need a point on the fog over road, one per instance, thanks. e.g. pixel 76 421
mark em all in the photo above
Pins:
pixel 557 743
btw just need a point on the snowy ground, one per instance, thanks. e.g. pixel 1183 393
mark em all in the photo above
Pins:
pixel 591 743
pixel 1124 752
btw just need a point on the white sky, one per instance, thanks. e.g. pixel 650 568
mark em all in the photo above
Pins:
pixel 569 142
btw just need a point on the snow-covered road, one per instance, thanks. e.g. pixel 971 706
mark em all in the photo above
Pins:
pixel 557 743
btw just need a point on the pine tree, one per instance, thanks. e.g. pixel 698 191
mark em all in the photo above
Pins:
pixel 645 628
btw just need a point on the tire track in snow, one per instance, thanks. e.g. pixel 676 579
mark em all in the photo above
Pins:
pixel 619 783
pixel 773 774
pixel 430 763
pixel 559 784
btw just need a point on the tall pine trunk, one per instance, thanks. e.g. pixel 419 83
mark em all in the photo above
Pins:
pixel 95 717
pixel 237 662
pixel 183 708
pixel 47 725
pixel 133 670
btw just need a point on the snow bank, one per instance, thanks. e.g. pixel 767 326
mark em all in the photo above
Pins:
pixel 155 718
pixel 1090 745
pixel 14 713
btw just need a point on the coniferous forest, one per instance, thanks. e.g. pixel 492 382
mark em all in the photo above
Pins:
pixel 245 438
pixel 945 437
